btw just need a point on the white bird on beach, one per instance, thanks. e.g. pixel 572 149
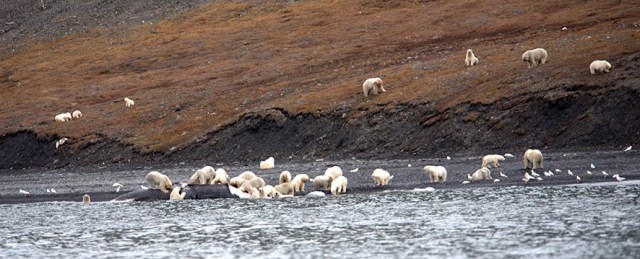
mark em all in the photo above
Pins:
pixel 593 166
pixel 617 177
pixel 469 177
pixel 589 172
pixel 558 171
pixel 547 174
pixel 627 149
pixel 53 190
pixel 538 178
pixel 605 174
pixel 496 180
pixel 23 192
pixel 144 187
pixel 526 177
pixel 503 175
pixel 465 182
pixel 534 174
pixel 118 186
pixel 508 155
pixel 569 172
pixel 60 142
pixel 354 170
pixel 578 179
pixel 409 165
pixel 448 158
pixel 48 190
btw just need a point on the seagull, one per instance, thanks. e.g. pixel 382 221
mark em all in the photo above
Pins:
pixel 551 173
pixel 558 171
pixel 546 174
pixel 617 177
pixel 538 178
pixel 60 142
pixel 503 175
pixel 593 166
pixel 508 155
pixel 526 177
pixel 465 182
pixel 409 165
pixel 118 186
pixel 589 172
pixel 534 174
pixel 53 190
pixel 496 180
pixel 24 193
pixel 48 190
pixel 605 174
pixel 627 149
pixel 469 177
pixel 354 170
pixel 569 172
pixel 578 179
pixel 144 187
pixel 448 158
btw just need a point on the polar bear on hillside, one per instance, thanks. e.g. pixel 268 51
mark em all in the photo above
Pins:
pixel 155 178
pixel 481 174
pixel 471 60
pixel 436 173
pixel 492 160
pixel 339 185
pixel 533 159
pixel 373 86
pixel 535 56
pixel 381 177
pixel 600 66
pixel 76 114
pixel 298 182
pixel 203 175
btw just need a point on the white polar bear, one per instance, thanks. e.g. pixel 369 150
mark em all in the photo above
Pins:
pixel 533 159
pixel 535 56
pixel 339 185
pixel 470 59
pixel 247 175
pixel 481 174
pixel 220 177
pixel 600 66
pixel 155 178
pixel 381 177
pixel 86 199
pixel 322 182
pixel 285 188
pixel 203 175
pixel 268 191
pixel 333 172
pixel 176 195
pixel 298 182
pixel 63 117
pixel 436 173
pixel 76 114
pixel 285 177
pixel 492 160
pixel 237 181
pixel 267 164
pixel 253 183
pixel 128 102
pixel 373 86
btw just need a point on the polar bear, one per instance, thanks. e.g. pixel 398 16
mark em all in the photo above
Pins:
pixel 128 102
pixel 321 182
pixel 333 172
pixel 285 177
pixel 600 66
pixel 220 177
pixel 533 159
pixel 285 188
pixel 237 181
pixel 471 60
pixel 298 182
pixel 492 159
pixel 436 173
pixel 203 175
pixel 339 185
pixel 157 179
pixel 481 174
pixel 253 183
pixel 247 175
pixel 373 86
pixel 534 57
pixel 268 191
pixel 76 114
pixel 86 199
pixel 381 177
pixel 176 195
pixel 267 164
pixel 63 117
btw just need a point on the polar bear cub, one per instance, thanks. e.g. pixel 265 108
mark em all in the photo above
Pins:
pixel 470 59
pixel 128 102
pixel 436 173
pixel 534 57
pixel 298 182
pixel 339 185
pixel 203 175
pixel 322 182
pixel 268 191
pixel 533 159
pixel 381 177
pixel 220 177
pixel 481 174
pixel 285 177
pixel 155 178
pixel 285 189
pixel 76 114
pixel 267 164
pixel 600 66
pixel 333 172
pixel 176 195
pixel 373 86
pixel 492 160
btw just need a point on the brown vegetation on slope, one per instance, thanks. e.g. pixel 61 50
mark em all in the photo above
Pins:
pixel 195 73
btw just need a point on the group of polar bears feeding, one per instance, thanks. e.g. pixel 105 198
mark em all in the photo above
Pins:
pixel 533 57
pixel 62 117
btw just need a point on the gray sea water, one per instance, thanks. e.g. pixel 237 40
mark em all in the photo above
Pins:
pixel 538 222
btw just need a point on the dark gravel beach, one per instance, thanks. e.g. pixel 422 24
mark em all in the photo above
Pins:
pixel 71 183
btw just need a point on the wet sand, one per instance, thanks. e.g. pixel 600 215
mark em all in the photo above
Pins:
pixel 71 183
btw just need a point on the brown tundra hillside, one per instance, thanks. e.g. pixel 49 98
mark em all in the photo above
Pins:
pixel 243 80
